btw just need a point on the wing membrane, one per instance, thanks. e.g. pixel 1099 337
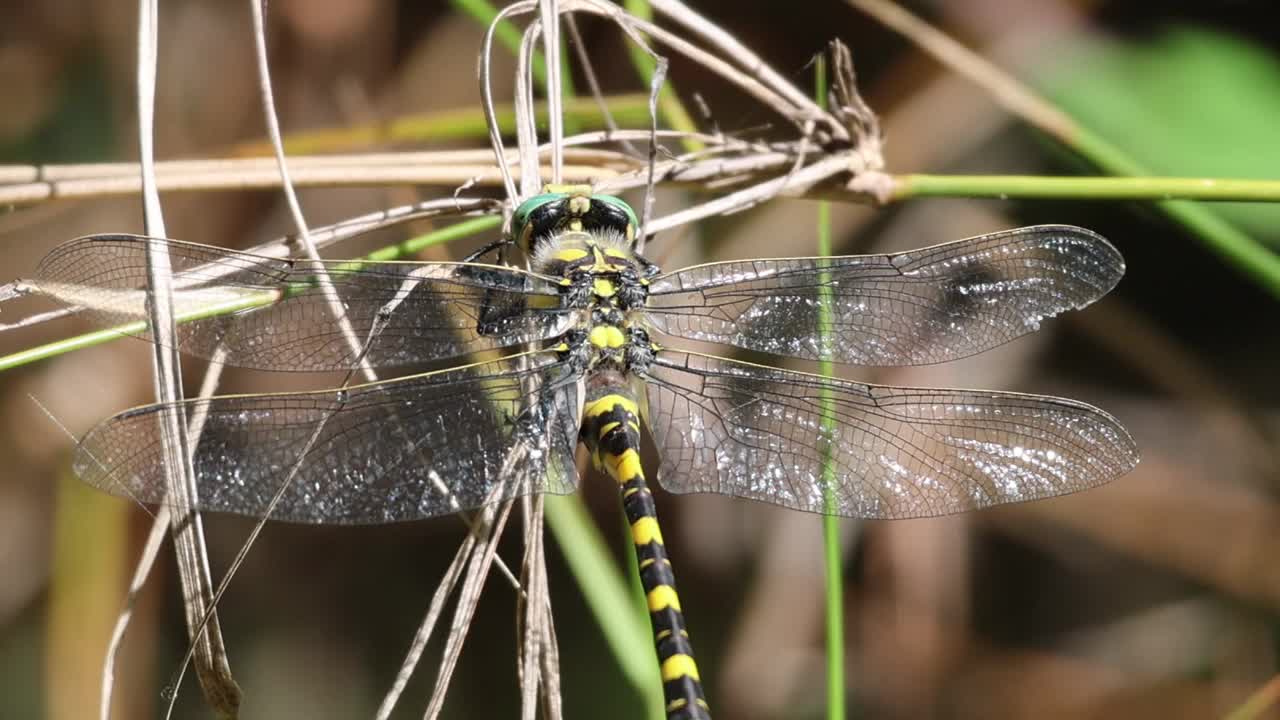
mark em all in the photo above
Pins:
pixel 756 432
pixel 385 452
pixel 919 307
pixel 274 315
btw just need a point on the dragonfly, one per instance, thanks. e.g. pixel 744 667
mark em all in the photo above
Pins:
pixel 583 346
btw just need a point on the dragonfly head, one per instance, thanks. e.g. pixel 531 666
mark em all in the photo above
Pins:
pixel 570 207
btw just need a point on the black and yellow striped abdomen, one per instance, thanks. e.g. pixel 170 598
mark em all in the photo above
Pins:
pixel 611 431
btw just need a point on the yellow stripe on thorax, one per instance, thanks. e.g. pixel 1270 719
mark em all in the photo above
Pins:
pixel 603 287
pixel 607 336
pixel 570 254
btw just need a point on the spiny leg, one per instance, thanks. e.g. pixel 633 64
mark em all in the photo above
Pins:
pixel 611 430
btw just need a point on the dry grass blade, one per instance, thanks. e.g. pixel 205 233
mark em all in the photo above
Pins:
pixel 236 174
pixel 801 107
pixel 291 196
pixel 212 666
pixel 492 521
pixel 486 92
pixel 526 122
pixel 539 667
pixel 549 12
pixel 146 560
pixel 423 635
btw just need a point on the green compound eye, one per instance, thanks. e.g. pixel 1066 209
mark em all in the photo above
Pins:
pixel 537 216
pixel 570 206
pixel 614 212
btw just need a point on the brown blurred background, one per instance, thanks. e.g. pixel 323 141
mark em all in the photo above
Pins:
pixel 1154 597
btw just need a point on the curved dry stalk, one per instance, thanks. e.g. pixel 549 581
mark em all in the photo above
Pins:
pixel 593 83
pixel 141 571
pixel 208 649
pixel 526 124
pixel 549 12
pixel 751 63
pixel 752 80
pixel 264 179
pixel 486 91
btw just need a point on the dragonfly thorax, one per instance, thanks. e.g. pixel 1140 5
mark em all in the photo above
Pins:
pixel 600 269
pixel 603 276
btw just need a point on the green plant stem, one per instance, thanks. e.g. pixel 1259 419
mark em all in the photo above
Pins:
pixel 830 521
pixel 1171 193
pixel 1085 188
pixel 1220 236
pixel 608 596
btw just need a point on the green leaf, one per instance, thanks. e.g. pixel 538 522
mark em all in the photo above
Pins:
pixel 1186 102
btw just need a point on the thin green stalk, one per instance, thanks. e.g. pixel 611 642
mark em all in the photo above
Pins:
pixel 59 347
pixel 1233 244
pixel 98 337
pixel 607 595
pixel 1085 188
pixel 417 244
pixel 830 521
pixel 1171 193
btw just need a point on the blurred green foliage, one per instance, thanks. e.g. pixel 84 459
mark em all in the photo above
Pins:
pixel 80 129
pixel 1187 101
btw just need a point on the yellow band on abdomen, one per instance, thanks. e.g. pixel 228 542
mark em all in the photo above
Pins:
pixel 645 530
pixel 678 666
pixel 663 597
pixel 623 468
pixel 607 403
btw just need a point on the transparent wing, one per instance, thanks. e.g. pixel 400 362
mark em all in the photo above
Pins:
pixel 756 432
pixel 924 306
pixel 385 452
pixel 271 314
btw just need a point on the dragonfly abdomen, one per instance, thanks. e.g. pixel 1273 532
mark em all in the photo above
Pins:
pixel 611 431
